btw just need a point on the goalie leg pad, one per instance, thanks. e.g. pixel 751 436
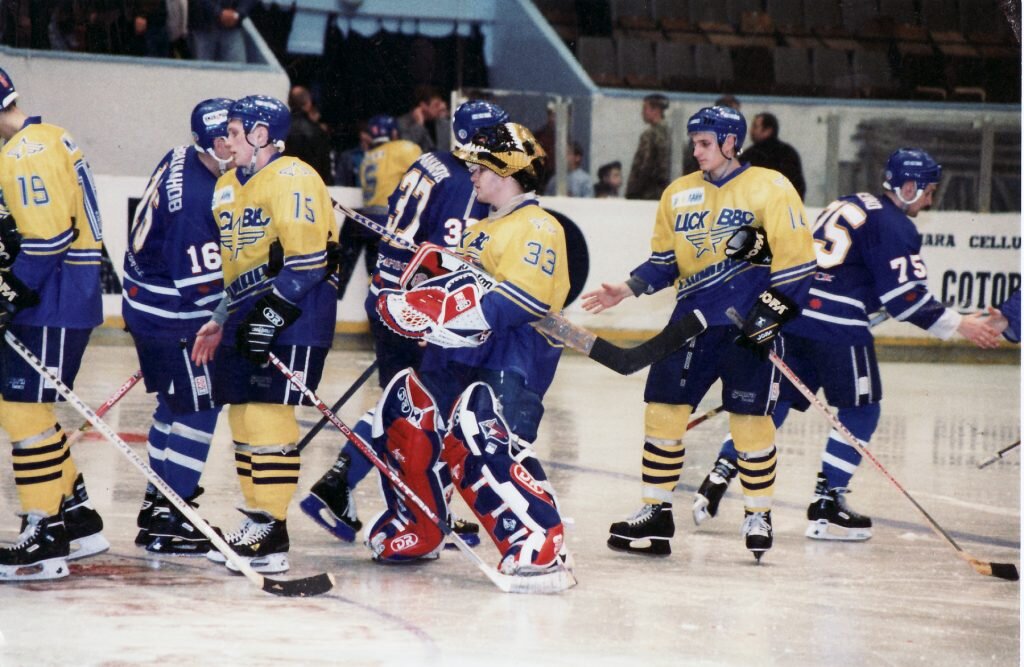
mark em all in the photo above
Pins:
pixel 503 484
pixel 407 437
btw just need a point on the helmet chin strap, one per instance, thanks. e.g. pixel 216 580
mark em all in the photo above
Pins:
pixel 906 203
pixel 222 165
pixel 250 169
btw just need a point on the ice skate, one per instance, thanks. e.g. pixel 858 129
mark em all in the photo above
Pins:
pixel 83 523
pixel 172 534
pixel 653 523
pixel 757 530
pixel 40 553
pixel 331 505
pixel 709 495
pixel 265 545
pixel 830 518
pixel 145 513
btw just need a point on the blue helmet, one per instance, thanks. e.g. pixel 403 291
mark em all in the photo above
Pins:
pixel 270 112
pixel 7 92
pixel 473 116
pixel 911 164
pixel 382 127
pixel 721 121
pixel 210 121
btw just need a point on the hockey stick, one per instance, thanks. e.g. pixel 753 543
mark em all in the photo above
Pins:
pixel 544 583
pixel 621 360
pixel 360 381
pixel 1006 571
pixel 109 403
pixel 315 585
pixel 998 455
pixel 704 417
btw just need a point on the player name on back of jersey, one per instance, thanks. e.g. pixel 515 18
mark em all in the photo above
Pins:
pixel 438 170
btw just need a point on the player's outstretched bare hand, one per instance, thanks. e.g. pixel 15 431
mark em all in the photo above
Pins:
pixel 976 328
pixel 997 320
pixel 606 297
pixel 207 339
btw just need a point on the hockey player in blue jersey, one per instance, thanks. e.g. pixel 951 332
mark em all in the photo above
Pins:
pixel 1006 317
pixel 433 202
pixel 268 201
pixel 50 299
pixel 697 216
pixel 484 372
pixel 868 256
pixel 172 283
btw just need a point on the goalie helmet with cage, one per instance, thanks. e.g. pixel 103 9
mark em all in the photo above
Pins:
pixel 507 149
pixel 910 164
pixel 472 116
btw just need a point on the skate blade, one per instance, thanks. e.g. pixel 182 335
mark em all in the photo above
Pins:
pixel 316 510
pixel 757 556
pixel 654 547
pixel 823 530
pixel 53 568
pixel 90 545
pixel 179 551
pixel 272 564
pixel 700 510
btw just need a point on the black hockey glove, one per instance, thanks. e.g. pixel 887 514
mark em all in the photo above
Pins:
pixel 764 321
pixel 269 317
pixel 10 242
pixel 749 244
pixel 15 296
pixel 334 256
pixel 275 260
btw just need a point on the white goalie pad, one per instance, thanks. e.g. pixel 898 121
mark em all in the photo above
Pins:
pixel 432 260
pixel 445 311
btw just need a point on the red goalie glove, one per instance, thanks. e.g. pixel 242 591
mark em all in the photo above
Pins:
pixel 444 310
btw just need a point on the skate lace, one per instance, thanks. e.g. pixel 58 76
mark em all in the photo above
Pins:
pixel 27 536
pixel 240 533
pixel 838 494
pixel 756 523
pixel 642 515
pixel 257 533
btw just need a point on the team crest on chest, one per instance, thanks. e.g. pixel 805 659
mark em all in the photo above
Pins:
pixel 24 148
pixel 238 232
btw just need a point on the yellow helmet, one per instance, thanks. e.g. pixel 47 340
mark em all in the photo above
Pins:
pixel 507 149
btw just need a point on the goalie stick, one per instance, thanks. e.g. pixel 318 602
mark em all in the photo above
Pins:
pixel 554 582
pixel 315 585
pixel 107 404
pixel 622 360
pixel 360 381
pixel 1006 571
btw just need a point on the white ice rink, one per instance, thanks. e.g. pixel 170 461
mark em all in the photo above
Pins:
pixel 902 598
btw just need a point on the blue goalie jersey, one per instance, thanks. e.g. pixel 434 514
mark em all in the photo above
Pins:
pixel 434 202
pixel 172 268
pixel 869 256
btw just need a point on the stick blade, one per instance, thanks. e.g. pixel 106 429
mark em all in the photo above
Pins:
pixel 1006 571
pixel 299 588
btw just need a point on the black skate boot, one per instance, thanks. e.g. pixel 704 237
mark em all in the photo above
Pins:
pixel 83 523
pixel 172 534
pixel 233 538
pixel 145 514
pixel 331 505
pixel 651 522
pixel 265 545
pixel 709 495
pixel 757 529
pixel 40 553
pixel 831 519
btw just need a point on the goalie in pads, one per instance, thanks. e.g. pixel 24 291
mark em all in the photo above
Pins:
pixel 484 365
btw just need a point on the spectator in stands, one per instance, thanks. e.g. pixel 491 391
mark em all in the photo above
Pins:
pixel 177 29
pixel 604 191
pixel 609 179
pixel 346 170
pixel 768 151
pixel 545 136
pixel 418 125
pixel 728 100
pixel 307 139
pixel 578 181
pixel 649 174
pixel 149 28
pixel 216 29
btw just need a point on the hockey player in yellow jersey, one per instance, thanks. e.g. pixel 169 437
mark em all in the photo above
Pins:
pixel 711 239
pixel 380 172
pixel 275 219
pixel 486 369
pixel 50 254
